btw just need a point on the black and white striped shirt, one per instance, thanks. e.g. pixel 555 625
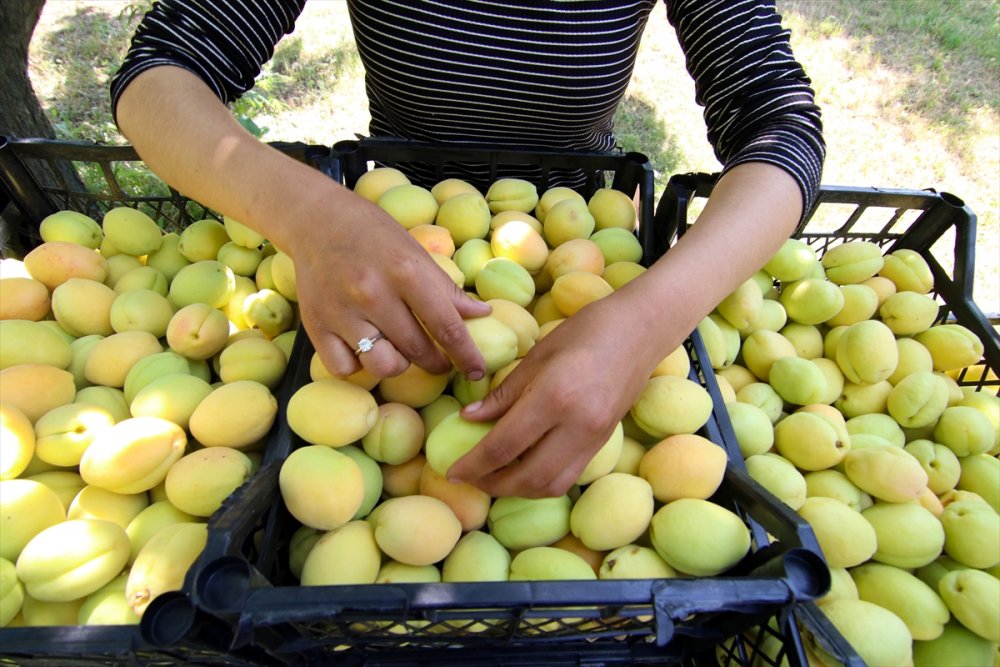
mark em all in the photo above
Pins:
pixel 545 74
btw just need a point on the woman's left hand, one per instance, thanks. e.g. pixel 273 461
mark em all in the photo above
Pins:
pixel 562 402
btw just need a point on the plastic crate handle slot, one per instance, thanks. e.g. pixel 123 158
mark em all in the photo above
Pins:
pixel 685 598
pixel 347 153
pixel 172 618
pixel 23 190
pixel 222 586
pixel 663 611
pixel 804 572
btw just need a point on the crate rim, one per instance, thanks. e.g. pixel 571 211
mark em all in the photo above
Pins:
pixel 941 211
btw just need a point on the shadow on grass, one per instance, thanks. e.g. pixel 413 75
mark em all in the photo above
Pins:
pixel 945 51
pixel 638 128
pixel 86 50
pixel 297 76
pixel 83 53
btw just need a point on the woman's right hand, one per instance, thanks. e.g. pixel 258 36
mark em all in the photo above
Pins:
pixel 359 273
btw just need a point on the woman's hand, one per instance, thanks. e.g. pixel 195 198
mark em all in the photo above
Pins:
pixel 562 402
pixel 359 274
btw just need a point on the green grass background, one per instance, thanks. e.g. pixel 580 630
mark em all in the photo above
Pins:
pixel 910 91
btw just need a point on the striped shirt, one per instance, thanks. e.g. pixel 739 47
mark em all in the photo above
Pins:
pixel 535 74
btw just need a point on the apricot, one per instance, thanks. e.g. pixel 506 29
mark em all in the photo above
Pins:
pixel 683 466
pixel 465 216
pixel 331 412
pixel 321 487
pixel 393 521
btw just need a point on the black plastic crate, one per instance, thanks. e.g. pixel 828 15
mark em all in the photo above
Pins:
pixel 938 225
pixel 39 177
pixel 245 583
pixel 119 646
pixel 942 229
pixel 242 578
pixel 631 173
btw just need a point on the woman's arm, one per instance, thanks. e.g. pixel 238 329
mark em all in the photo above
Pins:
pixel 759 103
pixel 562 401
pixel 358 271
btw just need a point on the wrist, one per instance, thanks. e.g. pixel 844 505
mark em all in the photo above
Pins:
pixel 291 200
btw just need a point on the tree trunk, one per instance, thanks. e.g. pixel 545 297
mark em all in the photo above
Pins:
pixel 20 113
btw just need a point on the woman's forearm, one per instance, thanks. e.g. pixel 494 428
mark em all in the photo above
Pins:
pixel 192 141
pixel 753 209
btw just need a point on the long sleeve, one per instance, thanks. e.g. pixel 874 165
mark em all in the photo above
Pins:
pixel 759 103
pixel 224 42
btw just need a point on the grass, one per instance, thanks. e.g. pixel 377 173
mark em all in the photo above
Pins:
pixel 910 92
pixel 948 45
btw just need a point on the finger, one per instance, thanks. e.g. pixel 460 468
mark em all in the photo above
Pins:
pixel 377 354
pixel 411 339
pixel 335 354
pixel 469 307
pixel 507 440
pixel 445 324
pixel 537 474
pixel 499 400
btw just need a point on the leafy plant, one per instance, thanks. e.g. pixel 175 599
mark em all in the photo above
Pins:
pixel 134 10
pixel 256 101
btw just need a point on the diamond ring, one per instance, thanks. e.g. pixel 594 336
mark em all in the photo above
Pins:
pixel 366 344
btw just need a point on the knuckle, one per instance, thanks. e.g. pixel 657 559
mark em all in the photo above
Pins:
pixel 540 484
pixel 595 421
pixel 498 454
pixel 384 366
pixel 363 290
pixel 419 348
pixel 562 400
pixel 451 332
pixel 408 267
pixel 543 483
pixel 552 489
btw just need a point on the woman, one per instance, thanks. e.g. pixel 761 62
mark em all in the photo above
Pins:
pixel 535 74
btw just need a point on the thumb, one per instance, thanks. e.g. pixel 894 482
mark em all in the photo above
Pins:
pixel 496 403
pixel 467 306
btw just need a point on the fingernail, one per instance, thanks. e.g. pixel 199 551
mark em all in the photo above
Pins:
pixel 456 480
pixel 472 407
pixel 475 376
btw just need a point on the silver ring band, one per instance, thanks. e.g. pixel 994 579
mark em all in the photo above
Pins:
pixel 366 344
